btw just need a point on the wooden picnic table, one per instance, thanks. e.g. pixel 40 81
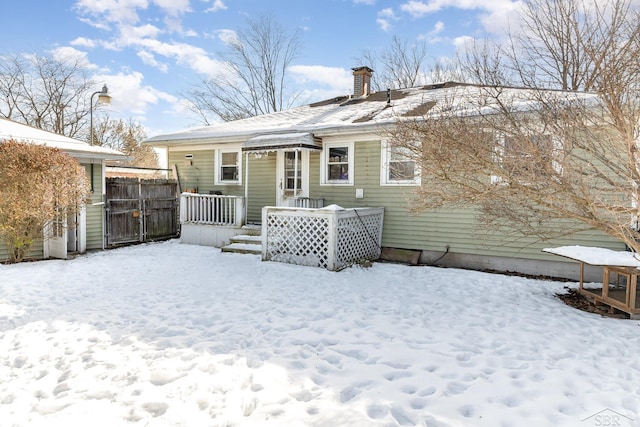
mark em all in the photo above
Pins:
pixel 621 264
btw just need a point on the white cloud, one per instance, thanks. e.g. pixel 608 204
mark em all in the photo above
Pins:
pixel 133 33
pixel 432 36
pixel 437 28
pixel 146 39
pixel 334 80
pixel 216 6
pixel 227 36
pixel 71 53
pixel 173 7
pixel 188 55
pixel 419 8
pixel 494 14
pixel 384 25
pixel 149 59
pixel 385 16
pixel 119 11
pixel 463 43
pixel 497 21
pixel 129 96
pixel 83 42
pixel 367 2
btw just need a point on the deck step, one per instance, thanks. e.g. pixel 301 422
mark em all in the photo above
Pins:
pixel 243 248
pixel 247 238
pixel 252 229
pixel 244 244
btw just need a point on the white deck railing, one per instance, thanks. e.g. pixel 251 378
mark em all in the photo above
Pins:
pixel 211 209
pixel 327 238
pixel 309 202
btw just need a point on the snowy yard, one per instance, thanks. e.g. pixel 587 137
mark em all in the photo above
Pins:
pixel 177 335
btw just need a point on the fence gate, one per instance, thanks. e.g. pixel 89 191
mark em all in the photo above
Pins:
pixel 160 207
pixel 140 210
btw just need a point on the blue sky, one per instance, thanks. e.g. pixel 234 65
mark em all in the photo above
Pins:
pixel 150 51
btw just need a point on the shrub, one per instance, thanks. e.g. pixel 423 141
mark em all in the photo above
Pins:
pixel 37 185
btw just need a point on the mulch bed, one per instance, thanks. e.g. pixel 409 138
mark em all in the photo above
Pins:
pixel 576 300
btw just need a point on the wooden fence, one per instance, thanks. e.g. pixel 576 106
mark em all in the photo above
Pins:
pixel 140 210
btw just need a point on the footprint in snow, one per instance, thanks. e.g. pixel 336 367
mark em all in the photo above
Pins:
pixel 304 396
pixel 377 411
pixel 427 392
pixel 402 417
pixel 456 388
pixel 418 404
pixel 156 409
pixel 396 375
pixel 409 389
pixel 467 411
pixel 349 393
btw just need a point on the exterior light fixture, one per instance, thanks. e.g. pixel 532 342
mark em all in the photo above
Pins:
pixel 103 98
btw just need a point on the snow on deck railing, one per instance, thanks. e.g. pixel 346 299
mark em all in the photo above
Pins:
pixel 331 238
pixel 211 209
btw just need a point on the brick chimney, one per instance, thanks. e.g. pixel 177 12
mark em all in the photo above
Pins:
pixel 362 81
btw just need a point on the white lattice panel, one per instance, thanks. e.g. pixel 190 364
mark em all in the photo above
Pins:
pixel 321 238
pixel 358 239
pixel 300 240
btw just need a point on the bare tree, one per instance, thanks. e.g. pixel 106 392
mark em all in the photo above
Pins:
pixel 127 137
pixel 399 65
pixel 254 78
pixel 535 161
pixel 560 44
pixel 46 92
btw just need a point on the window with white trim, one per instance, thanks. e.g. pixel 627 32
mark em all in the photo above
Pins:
pixel 398 165
pixel 527 156
pixel 228 169
pixel 292 171
pixel 338 163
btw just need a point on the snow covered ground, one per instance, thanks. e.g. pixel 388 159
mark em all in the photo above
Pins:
pixel 167 334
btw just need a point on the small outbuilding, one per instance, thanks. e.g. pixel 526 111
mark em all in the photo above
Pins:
pixel 86 229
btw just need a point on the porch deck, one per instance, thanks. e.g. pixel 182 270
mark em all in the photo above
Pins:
pixel 331 237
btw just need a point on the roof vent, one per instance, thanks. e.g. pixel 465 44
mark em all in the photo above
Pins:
pixel 362 81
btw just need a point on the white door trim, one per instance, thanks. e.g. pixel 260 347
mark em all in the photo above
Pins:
pixel 286 197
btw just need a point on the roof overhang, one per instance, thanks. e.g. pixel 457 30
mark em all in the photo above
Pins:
pixel 282 141
pixel 10 130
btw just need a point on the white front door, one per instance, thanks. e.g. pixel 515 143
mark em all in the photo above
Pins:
pixel 292 177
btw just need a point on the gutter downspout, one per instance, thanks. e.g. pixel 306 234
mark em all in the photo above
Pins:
pixel 246 188
pixel 295 176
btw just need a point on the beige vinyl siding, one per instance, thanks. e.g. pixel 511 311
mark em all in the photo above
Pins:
pixel 433 230
pixel 262 185
pixel 95 210
pixel 36 252
pixel 199 175
pixel 3 252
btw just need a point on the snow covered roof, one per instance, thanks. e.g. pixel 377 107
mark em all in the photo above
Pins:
pixel 597 256
pixel 74 147
pixel 271 142
pixel 346 114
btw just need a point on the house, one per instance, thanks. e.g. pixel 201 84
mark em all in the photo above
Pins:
pixel 86 230
pixel 334 152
